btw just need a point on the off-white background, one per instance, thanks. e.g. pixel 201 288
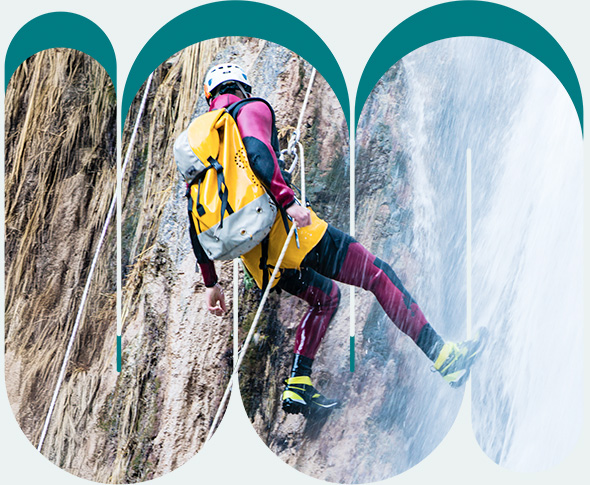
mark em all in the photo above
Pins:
pixel 352 30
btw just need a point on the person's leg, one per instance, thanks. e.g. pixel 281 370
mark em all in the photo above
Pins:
pixel 323 296
pixel 341 257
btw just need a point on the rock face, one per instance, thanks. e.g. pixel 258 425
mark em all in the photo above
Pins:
pixel 60 178
pixel 177 358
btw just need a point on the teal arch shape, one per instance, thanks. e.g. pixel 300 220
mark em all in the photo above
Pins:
pixel 60 29
pixel 470 18
pixel 249 19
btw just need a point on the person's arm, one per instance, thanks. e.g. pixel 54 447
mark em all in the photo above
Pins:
pixel 205 264
pixel 214 296
pixel 255 122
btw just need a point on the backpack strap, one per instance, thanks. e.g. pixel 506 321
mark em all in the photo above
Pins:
pixel 234 108
pixel 221 189
pixel 264 261
pixel 192 230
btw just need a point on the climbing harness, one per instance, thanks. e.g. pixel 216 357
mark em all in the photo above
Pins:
pixel 89 279
pixel 242 353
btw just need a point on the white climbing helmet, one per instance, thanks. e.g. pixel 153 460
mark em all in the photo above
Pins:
pixel 222 73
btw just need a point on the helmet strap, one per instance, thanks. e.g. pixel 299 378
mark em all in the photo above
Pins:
pixel 246 95
pixel 217 91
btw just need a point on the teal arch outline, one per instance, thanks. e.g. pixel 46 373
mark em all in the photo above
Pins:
pixel 60 29
pixel 470 18
pixel 249 19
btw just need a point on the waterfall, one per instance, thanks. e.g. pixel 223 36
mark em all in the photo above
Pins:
pixel 527 236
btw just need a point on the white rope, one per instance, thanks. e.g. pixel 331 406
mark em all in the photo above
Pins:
pixel 294 140
pixel 302 174
pixel 273 276
pixel 235 307
pixel 136 127
pixel 87 286
pixel 311 79
pixel 242 353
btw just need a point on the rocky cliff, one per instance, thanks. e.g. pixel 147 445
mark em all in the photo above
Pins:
pixel 177 358
pixel 185 358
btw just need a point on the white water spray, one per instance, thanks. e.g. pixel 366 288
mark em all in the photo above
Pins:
pixel 528 285
pixel 527 236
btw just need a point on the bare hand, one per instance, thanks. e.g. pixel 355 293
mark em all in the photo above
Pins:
pixel 300 215
pixel 215 300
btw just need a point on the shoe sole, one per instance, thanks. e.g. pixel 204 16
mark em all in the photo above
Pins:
pixel 293 407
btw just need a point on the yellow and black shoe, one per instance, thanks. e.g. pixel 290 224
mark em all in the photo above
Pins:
pixel 454 360
pixel 301 397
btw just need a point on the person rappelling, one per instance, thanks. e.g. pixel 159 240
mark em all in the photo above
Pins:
pixel 240 205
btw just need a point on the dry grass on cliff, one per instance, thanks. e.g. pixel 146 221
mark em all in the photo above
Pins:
pixel 135 408
pixel 177 84
pixel 60 177
pixel 175 90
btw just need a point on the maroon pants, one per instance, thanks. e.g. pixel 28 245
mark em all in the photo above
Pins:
pixel 339 257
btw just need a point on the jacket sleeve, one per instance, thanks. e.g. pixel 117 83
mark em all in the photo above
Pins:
pixel 205 264
pixel 255 122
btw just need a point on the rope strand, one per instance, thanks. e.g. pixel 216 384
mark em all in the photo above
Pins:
pixel 86 290
pixel 294 140
pixel 276 269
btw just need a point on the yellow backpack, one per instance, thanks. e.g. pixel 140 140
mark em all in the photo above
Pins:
pixel 231 209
